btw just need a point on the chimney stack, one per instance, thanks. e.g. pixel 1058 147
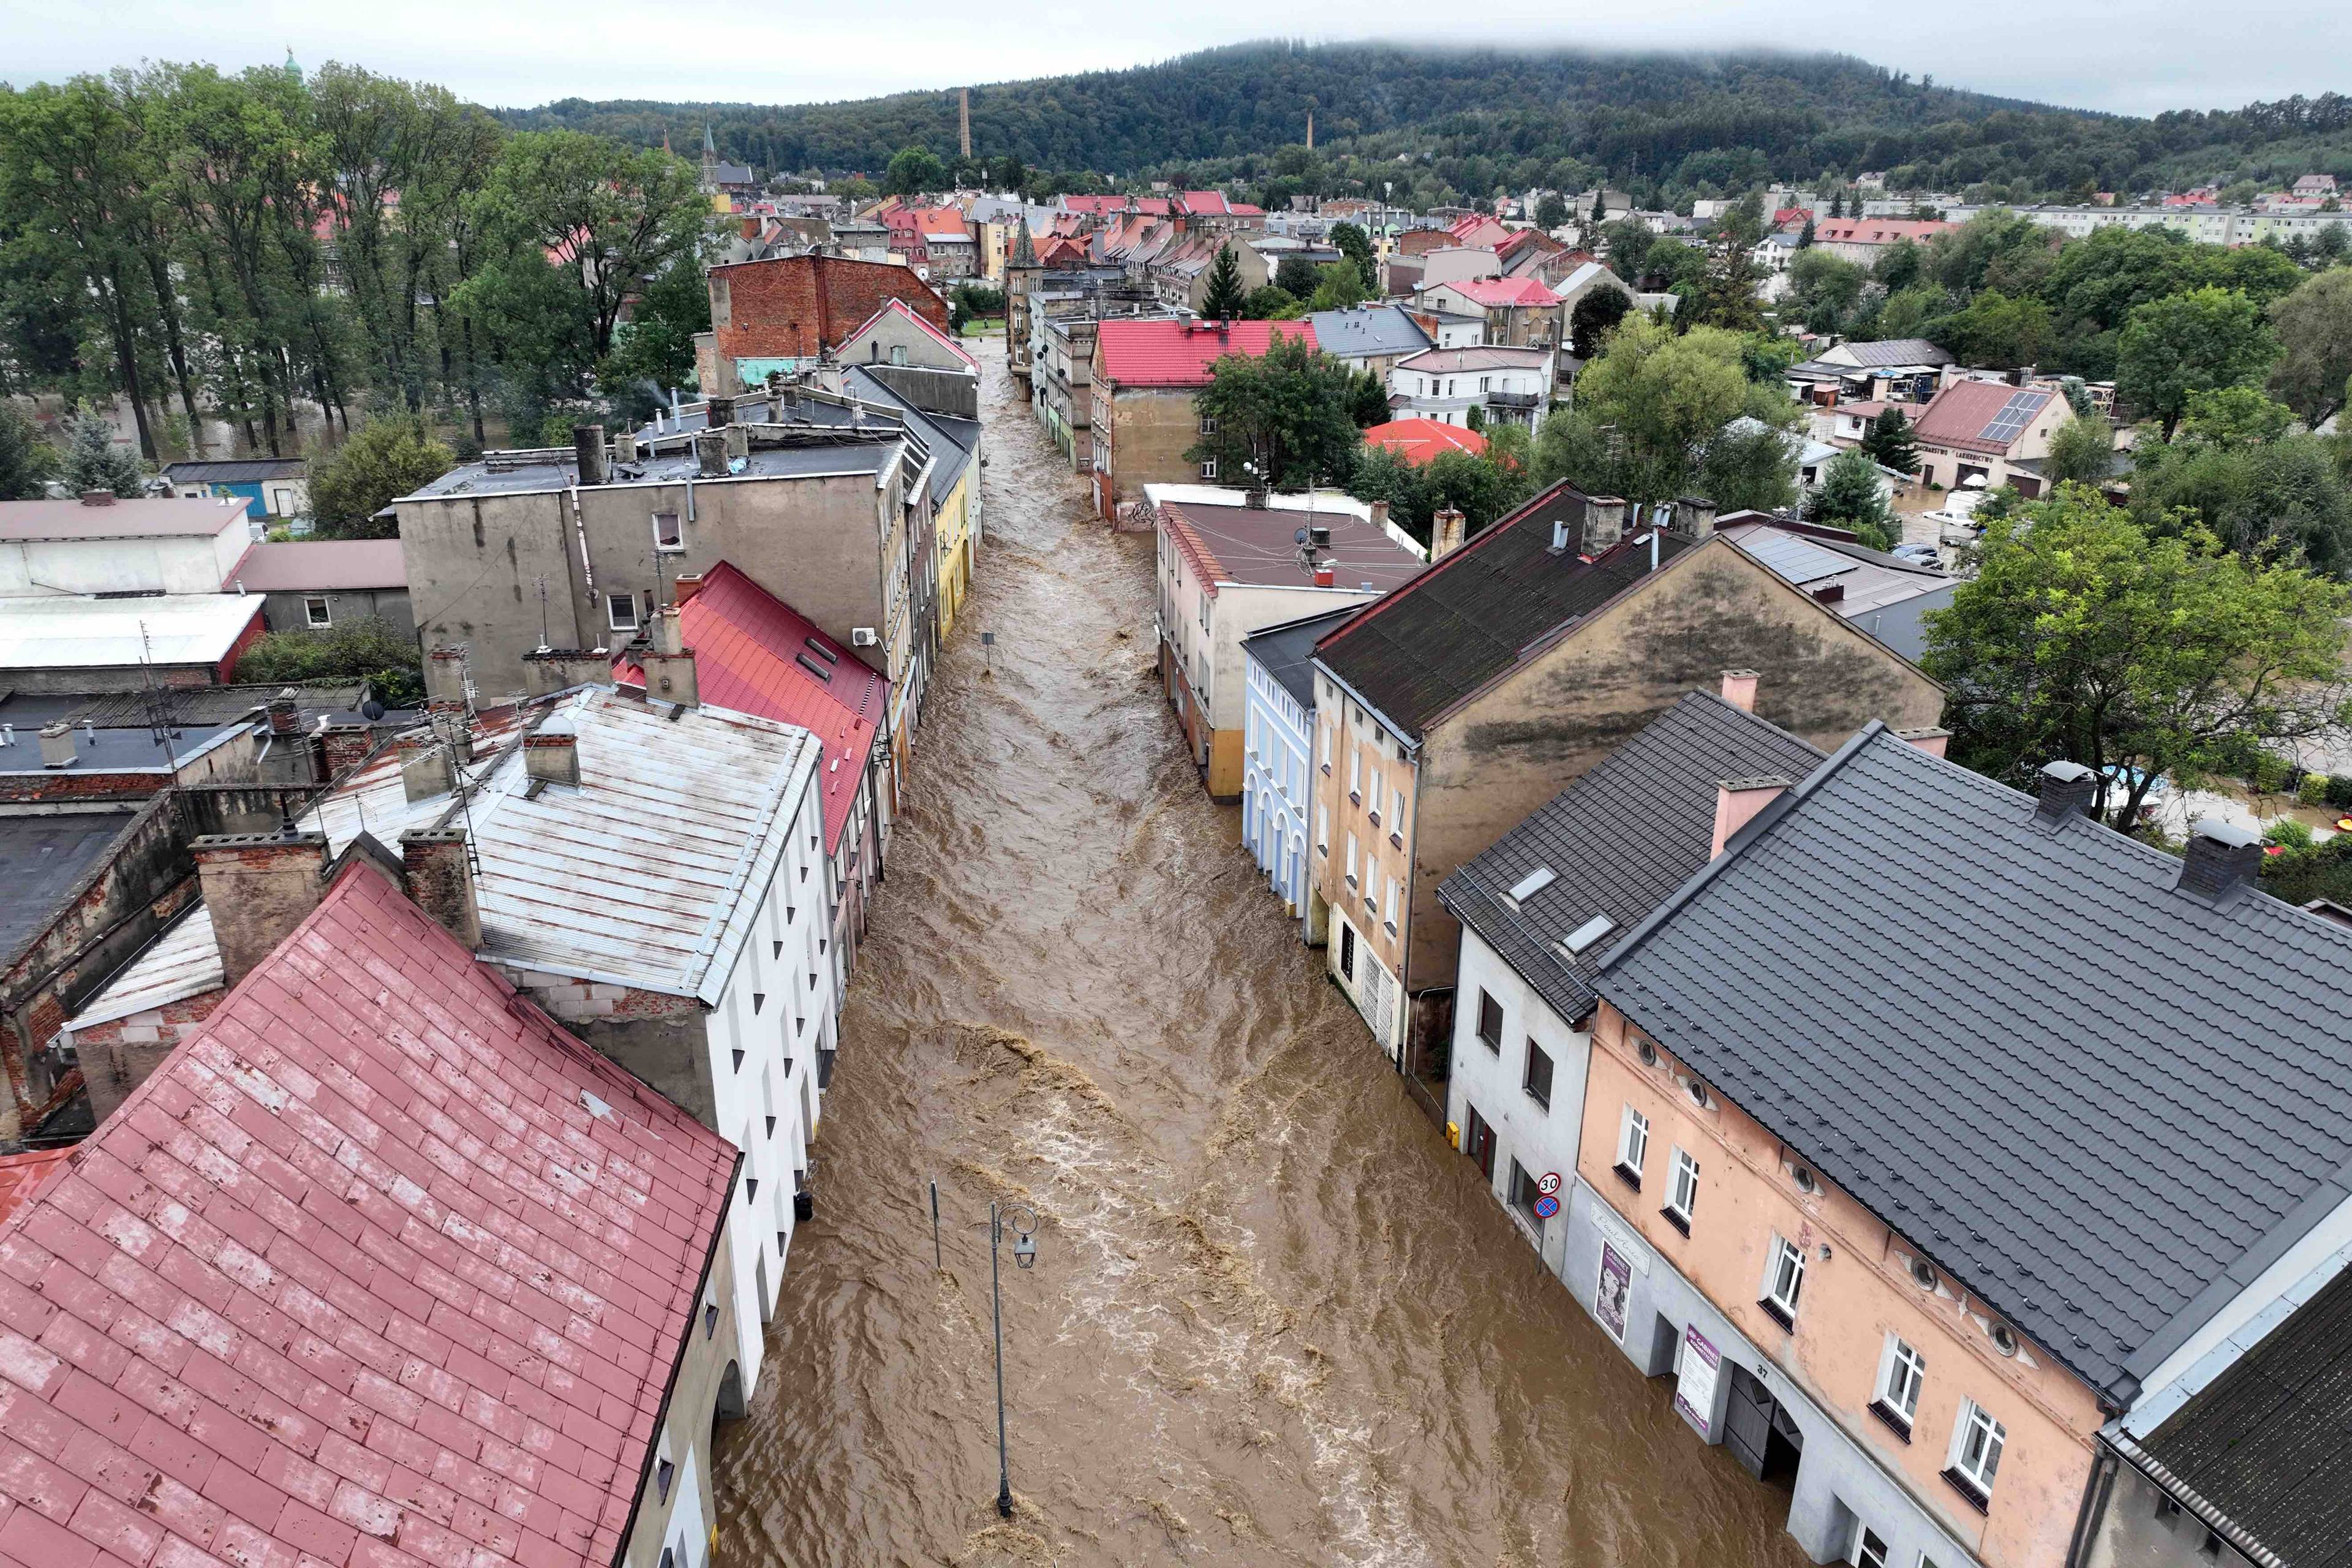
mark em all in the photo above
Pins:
pixel 738 441
pixel 684 586
pixel 588 445
pixel 1325 574
pixel 719 412
pixel 2222 859
pixel 57 745
pixel 1740 688
pixel 340 745
pixel 552 753
pixel 1604 522
pixel 711 454
pixel 1380 519
pixel 1932 741
pixel 1737 802
pixel 624 447
pixel 1695 517
pixel 285 714
pixel 258 887
pixel 2067 788
pixel 97 498
pixel 439 880
pixel 1448 533
pixel 425 767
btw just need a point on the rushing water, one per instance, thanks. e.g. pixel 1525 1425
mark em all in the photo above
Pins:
pixel 1272 1318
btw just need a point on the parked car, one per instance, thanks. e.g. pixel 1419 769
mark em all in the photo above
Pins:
pixel 1918 554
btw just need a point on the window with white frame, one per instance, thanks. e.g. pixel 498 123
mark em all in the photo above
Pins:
pixel 1355 773
pixel 1208 425
pixel 1396 812
pixel 1977 1442
pixel 1323 745
pixel 1351 859
pixel 1869 1548
pixel 1373 794
pixel 620 611
pixel 669 534
pixel 1902 1371
pixel 1682 1191
pixel 316 612
pixel 1322 828
pixel 1390 911
pixel 1208 468
pixel 1784 1280
pixel 1633 1146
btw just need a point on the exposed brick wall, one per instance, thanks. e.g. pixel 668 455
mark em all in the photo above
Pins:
pixel 65 784
pixel 117 1056
pixel 799 305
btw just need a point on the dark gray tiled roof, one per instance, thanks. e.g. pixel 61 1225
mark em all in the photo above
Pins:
pixel 1618 842
pixel 1287 651
pixel 1474 613
pixel 232 471
pixel 1368 329
pixel 2269 1442
pixel 2083 1093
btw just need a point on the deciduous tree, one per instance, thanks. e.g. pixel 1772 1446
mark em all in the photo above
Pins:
pixel 2186 344
pixel 2313 325
pixel 1287 412
pixel 382 460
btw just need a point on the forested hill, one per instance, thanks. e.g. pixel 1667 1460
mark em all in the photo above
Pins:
pixel 1477 120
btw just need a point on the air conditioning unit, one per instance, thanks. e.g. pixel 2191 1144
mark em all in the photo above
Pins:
pixel 864 636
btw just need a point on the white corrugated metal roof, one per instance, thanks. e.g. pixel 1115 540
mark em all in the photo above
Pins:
pixel 183 961
pixel 646 873
pixel 77 633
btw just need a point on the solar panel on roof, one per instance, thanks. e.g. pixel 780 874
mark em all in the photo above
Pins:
pixel 1796 560
pixel 2015 415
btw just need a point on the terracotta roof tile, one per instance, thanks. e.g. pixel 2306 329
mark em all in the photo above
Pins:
pixel 356 1265
pixel 1178 354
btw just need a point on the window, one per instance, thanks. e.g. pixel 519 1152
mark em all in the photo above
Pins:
pixel 1869 1548
pixel 1537 1079
pixel 1323 746
pixel 1389 914
pixel 1633 1147
pixel 1784 1281
pixel 664 1473
pixel 1351 859
pixel 1208 468
pixel 1396 816
pixel 1355 776
pixel 1490 1022
pixel 1373 794
pixel 316 611
pixel 1975 1453
pixel 1208 425
pixel 1901 1371
pixel 1682 1192
pixel 1322 828
pixel 620 611
pixel 669 535
pixel 1524 1194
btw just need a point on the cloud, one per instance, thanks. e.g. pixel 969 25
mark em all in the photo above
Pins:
pixel 2137 57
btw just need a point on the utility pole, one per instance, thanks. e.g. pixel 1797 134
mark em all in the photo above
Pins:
pixel 964 110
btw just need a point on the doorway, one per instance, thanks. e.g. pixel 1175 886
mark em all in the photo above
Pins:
pixel 1759 1431
pixel 1479 1141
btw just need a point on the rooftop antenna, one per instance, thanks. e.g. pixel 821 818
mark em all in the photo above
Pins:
pixel 542 611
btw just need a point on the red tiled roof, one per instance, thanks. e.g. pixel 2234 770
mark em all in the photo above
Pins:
pixel 1419 440
pixel 1495 292
pixel 1879 230
pixel 1477 228
pixel 22 1175
pixel 1959 414
pixel 1245 209
pixel 1094 204
pixel 1206 204
pixel 314 566
pixel 747 645
pixel 356 1276
pixel 1178 354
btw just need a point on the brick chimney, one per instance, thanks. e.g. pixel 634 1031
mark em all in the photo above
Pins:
pixel 670 664
pixel 1445 533
pixel 1695 517
pixel 2067 790
pixel 258 887
pixel 718 412
pixel 1604 522
pixel 1380 518
pixel 57 745
pixel 550 669
pixel 552 753
pixel 1740 688
pixel 445 675
pixel 624 447
pixel 684 586
pixel 2222 859
pixel 588 448
pixel 340 745
pixel 1737 802
pixel 285 714
pixel 439 880
pixel 97 498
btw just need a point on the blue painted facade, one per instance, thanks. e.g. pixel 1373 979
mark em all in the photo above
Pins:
pixel 1274 797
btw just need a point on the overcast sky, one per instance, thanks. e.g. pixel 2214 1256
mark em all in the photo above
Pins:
pixel 2131 56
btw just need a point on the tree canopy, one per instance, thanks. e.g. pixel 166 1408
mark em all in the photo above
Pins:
pixel 1287 414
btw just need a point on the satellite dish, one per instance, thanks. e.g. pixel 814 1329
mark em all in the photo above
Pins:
pixel 1299 538
pixel 370 709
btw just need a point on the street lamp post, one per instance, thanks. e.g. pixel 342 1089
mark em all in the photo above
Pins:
pixel 1024 1254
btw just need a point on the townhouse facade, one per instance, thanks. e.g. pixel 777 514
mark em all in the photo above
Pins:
pixel 1277 751
pixel 1473 386
pixel 1460 704
pixel 1146 374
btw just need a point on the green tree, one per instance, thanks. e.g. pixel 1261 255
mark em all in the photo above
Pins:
pixel 1850 496
pixel 1338 286
pixel 1006 173
pixel 1825 290
pixel 2082 637
pixel 2198 342
pixel 1479 485
pixel 1889 444
pixel 1381 474
pixel 382 461
pixel 1663 397
pixel 1570 446
pixel 93 462
pixel 1997 330
pixel 1897 267
pixel 1551 211
pixel 655 348
pixel 26 460
pixel 1750 466
pixel 1357 246
pixel 370 649
pixel 2313 325
pixel 2235 472
pixel 1297 277
pixel 1723 293
pixel 1287 413
pixel 1368 402
pixel 2082 451
pixel 1600 207
pixel 1222 302
pixel 1805 235
pixel 913 171
pixel 1268 303
pixel 1594 316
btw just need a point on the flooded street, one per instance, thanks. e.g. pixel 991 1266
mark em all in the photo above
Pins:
pixel 1273 1318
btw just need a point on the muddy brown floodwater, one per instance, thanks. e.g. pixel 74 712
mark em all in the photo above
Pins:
pixel 1273 1319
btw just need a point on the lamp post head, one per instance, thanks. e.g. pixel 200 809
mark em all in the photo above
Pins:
pixel 1025 1251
